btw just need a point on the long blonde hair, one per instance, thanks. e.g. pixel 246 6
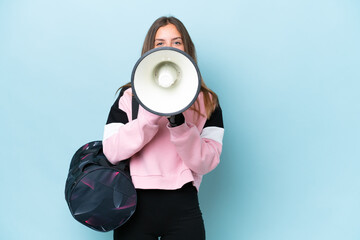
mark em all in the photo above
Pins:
pixel 210 97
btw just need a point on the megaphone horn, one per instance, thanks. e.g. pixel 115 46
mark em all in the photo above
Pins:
pixel 166 81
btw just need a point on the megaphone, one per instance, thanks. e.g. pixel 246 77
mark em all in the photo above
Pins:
pixel 166 81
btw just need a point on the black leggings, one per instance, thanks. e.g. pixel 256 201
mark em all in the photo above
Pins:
pixel 168 214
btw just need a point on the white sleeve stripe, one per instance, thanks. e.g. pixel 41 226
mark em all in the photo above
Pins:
pixel 213 133
pixel 111 129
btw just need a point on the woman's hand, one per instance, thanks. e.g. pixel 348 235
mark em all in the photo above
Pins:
pixel 151 118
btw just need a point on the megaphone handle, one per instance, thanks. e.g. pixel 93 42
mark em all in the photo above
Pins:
pixel 176 120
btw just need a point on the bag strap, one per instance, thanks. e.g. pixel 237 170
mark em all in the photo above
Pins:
pixel 125 164
pixel 135 107
pixel 134 103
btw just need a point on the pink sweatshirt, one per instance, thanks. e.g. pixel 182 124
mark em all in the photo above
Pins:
pixel 163 157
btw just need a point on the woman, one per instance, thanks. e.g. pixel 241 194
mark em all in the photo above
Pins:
pixel 169 156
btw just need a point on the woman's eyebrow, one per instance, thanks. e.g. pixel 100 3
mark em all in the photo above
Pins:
pixel 160 39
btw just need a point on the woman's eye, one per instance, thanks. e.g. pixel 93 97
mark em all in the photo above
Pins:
pixel 178 43
pixel 159 44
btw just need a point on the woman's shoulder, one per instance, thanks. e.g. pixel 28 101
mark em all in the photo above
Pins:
pixel 125 91
pixel 124 99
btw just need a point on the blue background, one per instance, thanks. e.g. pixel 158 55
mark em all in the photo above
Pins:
pixel 287 74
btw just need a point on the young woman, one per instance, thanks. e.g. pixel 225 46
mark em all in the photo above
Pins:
pixel 168 157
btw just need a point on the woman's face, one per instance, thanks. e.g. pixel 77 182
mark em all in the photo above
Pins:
pixel 168 36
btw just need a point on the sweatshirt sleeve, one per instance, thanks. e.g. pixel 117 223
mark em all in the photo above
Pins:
pixel 200 151
pixel 123 138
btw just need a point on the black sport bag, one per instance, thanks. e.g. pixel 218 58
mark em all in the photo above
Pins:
pixel 100 195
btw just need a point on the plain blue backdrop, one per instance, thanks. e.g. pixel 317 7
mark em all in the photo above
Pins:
pixel 288 77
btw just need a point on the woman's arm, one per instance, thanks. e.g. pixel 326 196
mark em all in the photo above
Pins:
pixel 200 151
pixel 123 138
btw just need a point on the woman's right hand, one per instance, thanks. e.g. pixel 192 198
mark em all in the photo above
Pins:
pixel 151 118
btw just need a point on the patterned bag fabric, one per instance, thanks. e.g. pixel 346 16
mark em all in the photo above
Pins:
pixel 100 195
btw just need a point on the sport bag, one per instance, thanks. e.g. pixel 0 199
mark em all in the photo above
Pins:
pixel 100 195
